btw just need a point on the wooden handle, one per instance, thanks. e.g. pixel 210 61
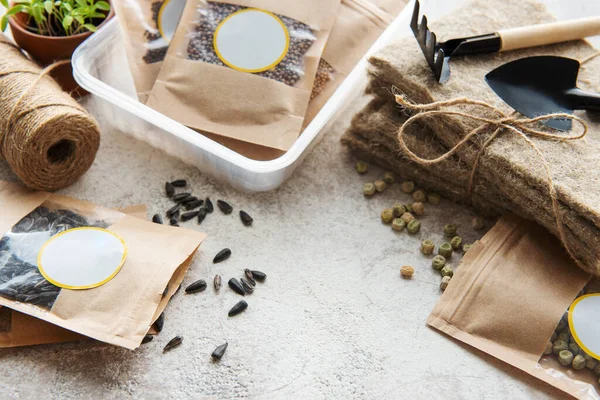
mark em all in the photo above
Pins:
pixel 555 32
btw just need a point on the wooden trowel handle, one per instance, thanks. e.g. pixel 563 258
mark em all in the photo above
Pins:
pixel 556 32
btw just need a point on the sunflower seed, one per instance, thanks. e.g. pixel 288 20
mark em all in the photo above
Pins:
pixel 174 221
pixel 147 339
pixel 250 277
pixel 193 204
pixel 189 200
pixel 201 214
pixel 217 282
pixel 222 255
pixel 209 205
pixel 169 189
pixel 171 211
pixel 176 341
pixel 238 308
pixel 179 183
pixel 246 218
pixel 236 286
pixel 179 197
pixel 157 219
pixel 219 351
pixel 259 276
pixel 247 286
pixel 160 322
pixel 188 215
pixel 196 287
pixel 224 206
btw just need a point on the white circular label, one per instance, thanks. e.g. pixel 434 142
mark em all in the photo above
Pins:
pixel 584 322
pixel 251 40
pixel 168 17
pixel 82 258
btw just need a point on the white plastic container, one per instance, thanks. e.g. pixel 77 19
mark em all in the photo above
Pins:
pixel 100 67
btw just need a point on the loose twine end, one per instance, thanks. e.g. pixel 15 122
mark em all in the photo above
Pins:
pixel 501 123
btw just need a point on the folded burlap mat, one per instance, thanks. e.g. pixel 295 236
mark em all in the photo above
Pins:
pixel 509 166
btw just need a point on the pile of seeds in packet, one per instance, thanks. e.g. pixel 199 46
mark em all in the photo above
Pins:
pixel 157 47
pixel 563 346
pixel 187 208
pixel 325 73
pixel 288 71
pixel 405 217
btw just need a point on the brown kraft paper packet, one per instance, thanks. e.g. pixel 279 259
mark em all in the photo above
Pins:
pixel 267 108
pixel 506 297
pixel 145 43
pixel 117 312
pixel 25 330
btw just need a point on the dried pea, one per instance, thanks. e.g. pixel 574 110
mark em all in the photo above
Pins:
pixel 413 227
pixel 419 196
pixel 561 326
pixel 456 242
pixel 466 247
pixel 548 349
pixel 477 223
pixel 564 336
pixel 565 358
pixel 418 208
pixel 559 346
pixel 427 247
pixel 433 198
pixel 408 187
pixel 445 282
pixel 362 167
pixel 387 215
pixel 438 262
pixel 406 271
pixel 408 208
pixel 553 337
pixel 407 217
pixel 369 189
pixel 447 271
pixel 399 209
pixel 379 186
pixel 578 362
pixel 388 178
pixel 597 370
pixel 590 362
pixel 450 230
pixel 445 250
pixel 398 224
pixel 574 347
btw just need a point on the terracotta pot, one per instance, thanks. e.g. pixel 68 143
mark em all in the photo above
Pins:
pixel 48 49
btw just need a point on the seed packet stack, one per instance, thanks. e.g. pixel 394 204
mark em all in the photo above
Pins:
pixel 510 175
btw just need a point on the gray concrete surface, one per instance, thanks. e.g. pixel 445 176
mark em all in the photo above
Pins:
pixel 333 320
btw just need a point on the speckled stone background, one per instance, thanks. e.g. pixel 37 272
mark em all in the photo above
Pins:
pixel 333 319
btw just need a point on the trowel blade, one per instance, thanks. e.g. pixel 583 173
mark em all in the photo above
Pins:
pixel 536 86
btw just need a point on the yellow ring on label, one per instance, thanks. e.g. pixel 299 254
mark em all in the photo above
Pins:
pixel 55 283
pixel 283 54
pixel 572 330
pixel 159 20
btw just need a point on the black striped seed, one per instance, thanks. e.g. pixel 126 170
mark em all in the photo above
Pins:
pixel 196 287
pixel 179 183
pixel 224 206
pixel 176 341
pixel 169 189
pixel 217 354
pixel 209 205
pixel 201 215
pixel 222 255
pixel 160 322
pixel 171 211
pixel 247 286
pixel 247 220
pixel 157 219
pixel 250 277
pixel 193 204
pixel 236 286
pixel 188 215
pixel 238 308
pixel 259 276
pixel 147 339
pixel 180 197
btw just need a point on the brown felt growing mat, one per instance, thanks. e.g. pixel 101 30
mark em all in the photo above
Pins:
pixel 509 167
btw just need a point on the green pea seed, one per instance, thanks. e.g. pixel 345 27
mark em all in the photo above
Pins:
pixel 433 198
pixel 408 208
pixel 387 215
pixel 369 189
pixel 445 250
pixel 559 346
pixel 362 167
pixel 564 336
pixel 427 247
pixel 407 217
pixel 450 230
pixel 398 224
pixel 466 247
pixel 590 362
pixel 456 242
pixel 413 227
pixel 578 362
pixel 408 187
pixel 419 196
pixel 380 186
pixel 565 358
pixel 447 271
pixel 445 282
pixel 548 349
pixel 438 262
pixel 418 208
pixel 574 347
pixel 399 209
pixel 388 178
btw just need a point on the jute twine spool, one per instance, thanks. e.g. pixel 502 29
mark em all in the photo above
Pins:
pixel 46 137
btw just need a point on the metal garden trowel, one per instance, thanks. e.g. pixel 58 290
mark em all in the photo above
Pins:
pixel 536 86
pixel 438 54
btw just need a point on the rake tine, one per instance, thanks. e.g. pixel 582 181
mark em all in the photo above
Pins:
pixel 414 23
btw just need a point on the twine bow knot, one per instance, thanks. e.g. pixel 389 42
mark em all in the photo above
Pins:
pixel 523 127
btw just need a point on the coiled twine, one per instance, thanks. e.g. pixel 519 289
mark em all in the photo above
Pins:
pixel 46 137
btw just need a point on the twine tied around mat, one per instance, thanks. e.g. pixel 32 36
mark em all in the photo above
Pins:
pixel 502 123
